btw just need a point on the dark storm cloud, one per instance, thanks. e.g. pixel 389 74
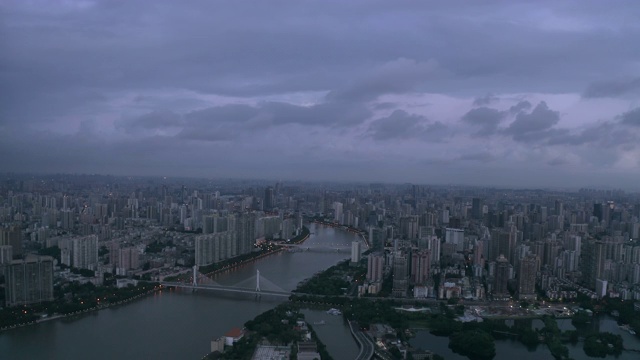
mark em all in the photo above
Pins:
pixel 557 162
pixel 631 118
pixel 606 134
pixel 228 121
pixel 485 100
pixel 520 106
pixel 151 121
pixel 332 113
pixel 483 157
pixel 238 49
pixel 396 77
pixel 535 125
pixel 487 119
pixel 401 125
pixel 385 106
pixel 613 88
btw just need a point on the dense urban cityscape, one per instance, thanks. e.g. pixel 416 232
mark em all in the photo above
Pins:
pixel 480 246
pixel 320 180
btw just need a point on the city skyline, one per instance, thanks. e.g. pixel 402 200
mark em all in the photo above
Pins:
pixel 514 94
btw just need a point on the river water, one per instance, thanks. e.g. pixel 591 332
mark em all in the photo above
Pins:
pixel 180 324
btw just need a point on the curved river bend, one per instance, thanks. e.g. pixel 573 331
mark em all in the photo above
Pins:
pixel 180 324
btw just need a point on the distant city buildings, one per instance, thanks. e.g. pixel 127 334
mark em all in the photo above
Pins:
pixel 502 242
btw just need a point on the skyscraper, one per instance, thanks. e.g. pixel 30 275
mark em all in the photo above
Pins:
pixel 337 212
pixel 128 259
pixel 68 219
pixel 456 237
pixel 355 251
pixel 375 267
pixel 527 277
pixel 377 238
pixel 409 226
pixel 500 289
pixel 84 252
pixel 12 235
pixel 420 266
pixel 269 199
pixel 6 254
pixel 476 208
pixel 598 211
pixel 435 248
pixel 29 281
pixel 212 248
pixel 245 232
pixel 400 285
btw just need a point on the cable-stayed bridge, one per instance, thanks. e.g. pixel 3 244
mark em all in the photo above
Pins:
pixel 326 248
pixel 257 285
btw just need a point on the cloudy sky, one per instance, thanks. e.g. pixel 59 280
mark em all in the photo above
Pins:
pixel 503 93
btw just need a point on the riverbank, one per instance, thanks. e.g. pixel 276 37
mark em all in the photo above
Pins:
pixel 55 316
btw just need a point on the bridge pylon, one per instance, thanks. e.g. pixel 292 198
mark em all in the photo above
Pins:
pixel 195 276
pixel 257 283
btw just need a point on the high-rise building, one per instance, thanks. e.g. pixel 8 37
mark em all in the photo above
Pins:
pixel 500 288
pixel 478 253
pixel 456 237
pixel 476 208
pixel 601 288
pixel 29 281
pixel 377 238
pixel 337 212
pixel 128 259
pixel 400 283
pixel 214 223
pixel 598 211
pixel 271 226
pixel 246 233
pixel 420 266
pixel 269 199
pixel 183 213
pixel 570 260
pixel 84 252
pixel 12 235
pixel 527 277
pixel 375 267
pixel 213 248
pixel 409 226
pixel 503 241
pixel 68 219
pixel 355 251
pixel 6 254
pixel 435 248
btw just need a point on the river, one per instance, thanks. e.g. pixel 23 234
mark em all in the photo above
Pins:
pixel 175 324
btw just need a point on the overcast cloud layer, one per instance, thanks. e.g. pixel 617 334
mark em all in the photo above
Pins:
pixel 504 93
